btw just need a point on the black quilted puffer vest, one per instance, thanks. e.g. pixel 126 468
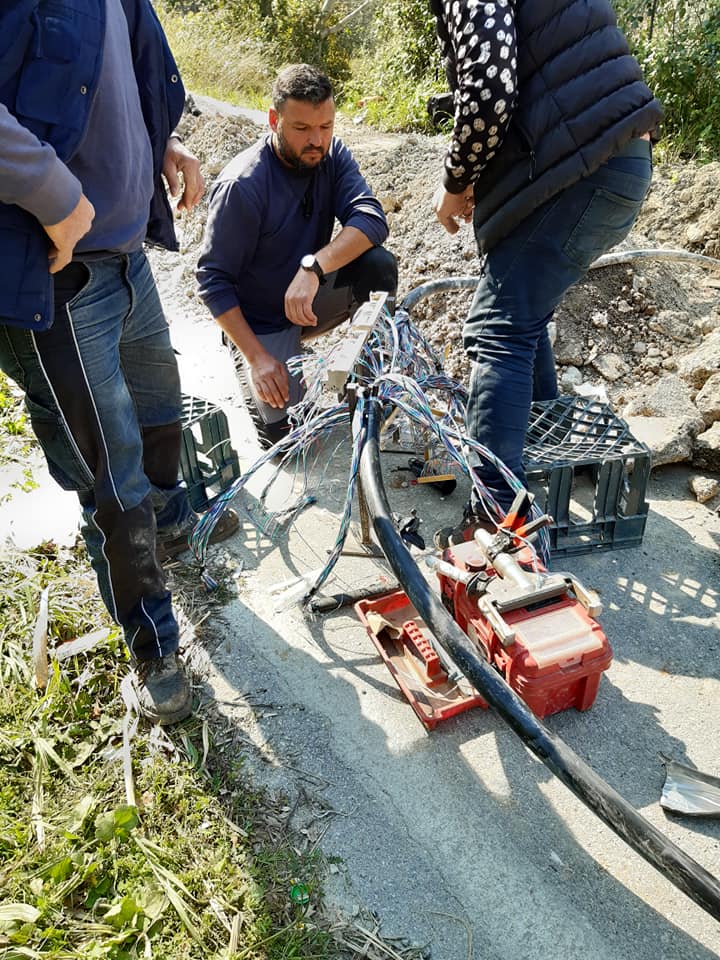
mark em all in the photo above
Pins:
pixel 581 97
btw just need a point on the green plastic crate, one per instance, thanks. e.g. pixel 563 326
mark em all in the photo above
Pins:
pixel 208 462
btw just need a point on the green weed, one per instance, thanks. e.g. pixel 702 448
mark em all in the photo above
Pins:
pixel 86 873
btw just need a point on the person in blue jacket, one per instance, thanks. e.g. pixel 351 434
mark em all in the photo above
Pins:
pixel 270 271
pixel 551 159
pixel 89 99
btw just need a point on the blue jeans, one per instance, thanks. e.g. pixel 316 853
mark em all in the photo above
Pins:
pixel 103 393
pixel 523 279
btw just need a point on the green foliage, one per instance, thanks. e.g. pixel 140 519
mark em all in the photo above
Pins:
pixel 233 48
pixel 678 45
pixel 218 53
pixel 297 32
pixel 84 872
pixel 384 60
pixel 398 67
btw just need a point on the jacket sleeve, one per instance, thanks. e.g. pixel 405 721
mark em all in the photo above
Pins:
pixel 32 176
pixel 231 235
pixel 479 42
pixel 355 204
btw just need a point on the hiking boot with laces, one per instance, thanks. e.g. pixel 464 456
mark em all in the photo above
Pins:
pixel 163 689
pixel 226 526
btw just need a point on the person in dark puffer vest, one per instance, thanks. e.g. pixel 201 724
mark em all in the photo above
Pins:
pixel 551 160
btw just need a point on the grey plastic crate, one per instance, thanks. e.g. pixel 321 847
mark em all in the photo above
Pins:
pixel 589 473
pixel 208 462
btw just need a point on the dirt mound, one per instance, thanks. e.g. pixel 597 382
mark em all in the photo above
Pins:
pixel 618 330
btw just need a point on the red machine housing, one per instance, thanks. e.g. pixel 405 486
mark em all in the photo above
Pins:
pixel 559 652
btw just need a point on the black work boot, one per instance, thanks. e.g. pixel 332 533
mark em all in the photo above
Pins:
pixel 227 524
pixel 163 689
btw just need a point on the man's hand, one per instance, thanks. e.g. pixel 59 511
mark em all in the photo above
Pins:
pixel 65 234
pixel 299 298
pixel 178 160
pixel 270 379
pixel 450 208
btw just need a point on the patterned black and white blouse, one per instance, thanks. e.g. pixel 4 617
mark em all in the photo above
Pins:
pixel 480 44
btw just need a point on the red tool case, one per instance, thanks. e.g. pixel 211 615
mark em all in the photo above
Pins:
pixel 399 634
pixel 559 653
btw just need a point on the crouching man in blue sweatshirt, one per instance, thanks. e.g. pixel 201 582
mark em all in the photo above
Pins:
pixel 269 271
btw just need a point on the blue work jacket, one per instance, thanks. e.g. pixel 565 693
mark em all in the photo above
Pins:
pixel 50 57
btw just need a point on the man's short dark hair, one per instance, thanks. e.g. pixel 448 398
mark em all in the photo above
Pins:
pixel 301 82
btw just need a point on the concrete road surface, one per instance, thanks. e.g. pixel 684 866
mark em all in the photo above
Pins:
pixel 460 838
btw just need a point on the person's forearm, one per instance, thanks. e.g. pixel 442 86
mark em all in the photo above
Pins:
pixel 236 327
pixel 486 78
pixel 31 175
pixel 343 249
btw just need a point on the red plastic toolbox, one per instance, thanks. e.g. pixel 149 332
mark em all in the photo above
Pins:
pixel 400 636
pixel 559 653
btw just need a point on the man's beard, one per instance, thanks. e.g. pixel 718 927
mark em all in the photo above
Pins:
pixel 294 159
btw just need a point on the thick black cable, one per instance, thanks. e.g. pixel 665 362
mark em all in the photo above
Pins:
pixel 605 802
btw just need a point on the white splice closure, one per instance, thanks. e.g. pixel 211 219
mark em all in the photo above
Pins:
pixel 342 358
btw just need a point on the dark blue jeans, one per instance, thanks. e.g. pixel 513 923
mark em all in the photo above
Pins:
pixel 103 393
pixel 523 280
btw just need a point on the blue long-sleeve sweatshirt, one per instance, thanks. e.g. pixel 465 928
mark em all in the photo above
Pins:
pixel 263 217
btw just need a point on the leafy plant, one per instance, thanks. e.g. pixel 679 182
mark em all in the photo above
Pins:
pixel 678 45
pixel 84 873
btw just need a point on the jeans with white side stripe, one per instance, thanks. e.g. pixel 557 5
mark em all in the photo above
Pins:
pixel 103 392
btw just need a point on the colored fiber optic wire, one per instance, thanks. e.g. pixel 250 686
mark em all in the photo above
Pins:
pixel 403 369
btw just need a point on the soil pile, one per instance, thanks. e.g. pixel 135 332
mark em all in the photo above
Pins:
pixel 619 333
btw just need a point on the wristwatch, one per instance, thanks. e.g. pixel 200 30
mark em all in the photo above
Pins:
pixel 309 262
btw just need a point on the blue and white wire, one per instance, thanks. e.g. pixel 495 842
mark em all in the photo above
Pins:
pixel 359 438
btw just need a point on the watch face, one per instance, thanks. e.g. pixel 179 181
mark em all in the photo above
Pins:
pixel 308 261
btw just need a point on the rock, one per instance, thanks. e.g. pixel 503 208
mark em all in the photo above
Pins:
pixel 704 488
pixel 668 397
pixel 675 324
pixel 700 364
pixel 191 107
pixel 390 203
pixel 668 438
pixel 707 400
pixel 709 322
pixel 695 233
pixel 611 366
pixel 706 454
pixel 570 379
pixel 569 345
